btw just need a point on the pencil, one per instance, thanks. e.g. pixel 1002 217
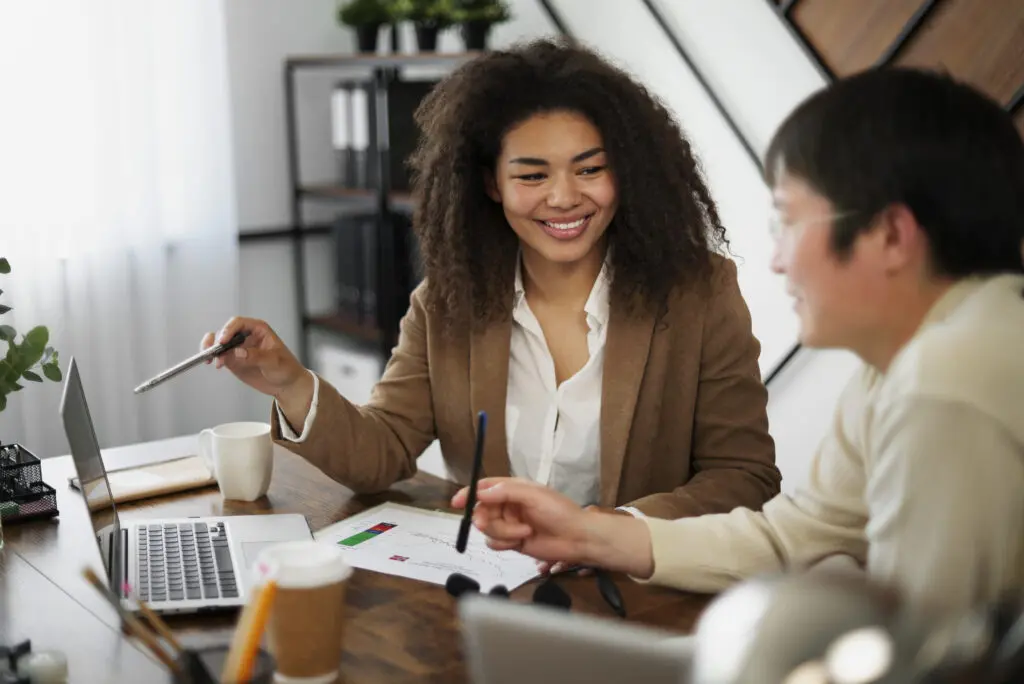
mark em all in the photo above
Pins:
pixel 131 622
pixel 160 626
pixel 246 641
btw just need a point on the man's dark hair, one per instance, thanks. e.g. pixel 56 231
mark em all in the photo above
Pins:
pixel 666 225
pixel 921 139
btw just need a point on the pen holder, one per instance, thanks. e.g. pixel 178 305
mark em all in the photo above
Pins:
pixel 23 494
pixel 204 665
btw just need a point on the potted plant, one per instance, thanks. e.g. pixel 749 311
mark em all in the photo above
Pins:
pixel 25 357
pixel 20 363
pixel 366 17
pixel 428 17
pixel 477 17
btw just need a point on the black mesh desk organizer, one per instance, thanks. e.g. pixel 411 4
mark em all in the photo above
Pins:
pixel 23 494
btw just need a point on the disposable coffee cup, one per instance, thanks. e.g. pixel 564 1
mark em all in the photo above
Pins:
pixel 305 628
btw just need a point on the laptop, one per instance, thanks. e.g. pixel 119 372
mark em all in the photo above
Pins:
pixel 176 565
pixel 510 643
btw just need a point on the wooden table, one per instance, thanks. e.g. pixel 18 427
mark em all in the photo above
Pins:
pixel 398 630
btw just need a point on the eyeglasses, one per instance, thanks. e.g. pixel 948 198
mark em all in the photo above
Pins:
pixel 777 227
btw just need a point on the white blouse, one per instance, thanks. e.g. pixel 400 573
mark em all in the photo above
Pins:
pixel 554 432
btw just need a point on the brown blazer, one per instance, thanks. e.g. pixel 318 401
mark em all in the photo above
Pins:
pixel 684 428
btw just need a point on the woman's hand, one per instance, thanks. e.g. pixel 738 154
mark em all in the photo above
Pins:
pixel 537 521
pixel 266 364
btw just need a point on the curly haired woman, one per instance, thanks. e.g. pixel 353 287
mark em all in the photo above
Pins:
pixel 572 291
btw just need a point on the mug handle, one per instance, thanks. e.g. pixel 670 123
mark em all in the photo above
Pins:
pixel 206 447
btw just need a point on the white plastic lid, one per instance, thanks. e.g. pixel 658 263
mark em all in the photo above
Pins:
pixel 302 564
pixel 44 667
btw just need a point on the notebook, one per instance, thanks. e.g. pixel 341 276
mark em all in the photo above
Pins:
pixel 156 479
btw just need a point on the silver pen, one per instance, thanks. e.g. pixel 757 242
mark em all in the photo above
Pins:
pixel 199 358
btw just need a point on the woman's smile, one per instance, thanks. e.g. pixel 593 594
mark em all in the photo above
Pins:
pixel 567 228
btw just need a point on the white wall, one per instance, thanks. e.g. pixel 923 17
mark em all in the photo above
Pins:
pixel 260 35
pixel 760 74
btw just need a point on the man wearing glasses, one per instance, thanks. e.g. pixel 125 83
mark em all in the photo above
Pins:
pixel 899 200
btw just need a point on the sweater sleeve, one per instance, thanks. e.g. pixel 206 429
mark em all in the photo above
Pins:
pixel 823 519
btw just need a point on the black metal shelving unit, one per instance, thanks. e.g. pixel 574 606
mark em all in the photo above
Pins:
pixel 379 202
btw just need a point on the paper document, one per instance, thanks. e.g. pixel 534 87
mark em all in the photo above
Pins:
pixel 420 544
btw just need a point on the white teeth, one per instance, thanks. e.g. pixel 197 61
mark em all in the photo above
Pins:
pixel 566 226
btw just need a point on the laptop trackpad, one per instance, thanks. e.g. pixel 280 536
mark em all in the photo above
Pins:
pixel 251 551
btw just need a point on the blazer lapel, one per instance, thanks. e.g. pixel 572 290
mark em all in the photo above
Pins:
pixel 625 357
pixel 488 381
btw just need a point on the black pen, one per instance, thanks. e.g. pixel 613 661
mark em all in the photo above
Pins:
pixel 478 457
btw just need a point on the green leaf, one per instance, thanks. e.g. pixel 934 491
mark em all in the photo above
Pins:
pixel 38 337
pixel 3 401
pixel 29 375
pixel 7 333
pixel 4 309
pixel 5 266
pixel 31 349
pixel 27 357
pixel 52 371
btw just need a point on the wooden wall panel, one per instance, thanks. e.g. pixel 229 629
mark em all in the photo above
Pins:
pixel 851 34
pixel 979 41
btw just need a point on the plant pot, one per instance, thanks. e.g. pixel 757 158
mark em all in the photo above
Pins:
pixel 366 37
pixel 474 34
pixel 426 37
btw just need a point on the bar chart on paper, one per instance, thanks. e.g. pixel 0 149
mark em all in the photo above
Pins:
pixel 420 544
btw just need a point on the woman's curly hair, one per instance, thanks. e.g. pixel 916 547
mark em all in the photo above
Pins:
pixel 663 231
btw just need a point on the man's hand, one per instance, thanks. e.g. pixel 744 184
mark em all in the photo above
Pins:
pixel 524 516
pixel 527 517
pixel 547 568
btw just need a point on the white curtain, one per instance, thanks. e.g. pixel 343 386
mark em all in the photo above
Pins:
pixel 117 208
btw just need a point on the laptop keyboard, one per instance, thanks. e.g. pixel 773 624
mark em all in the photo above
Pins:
pixel 184 561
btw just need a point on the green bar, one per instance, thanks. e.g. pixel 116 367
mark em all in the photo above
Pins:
pixel 357 538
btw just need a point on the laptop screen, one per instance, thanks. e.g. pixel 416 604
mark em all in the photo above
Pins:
pixel 92 476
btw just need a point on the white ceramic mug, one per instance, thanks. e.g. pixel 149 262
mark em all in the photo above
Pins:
pixel 241 457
